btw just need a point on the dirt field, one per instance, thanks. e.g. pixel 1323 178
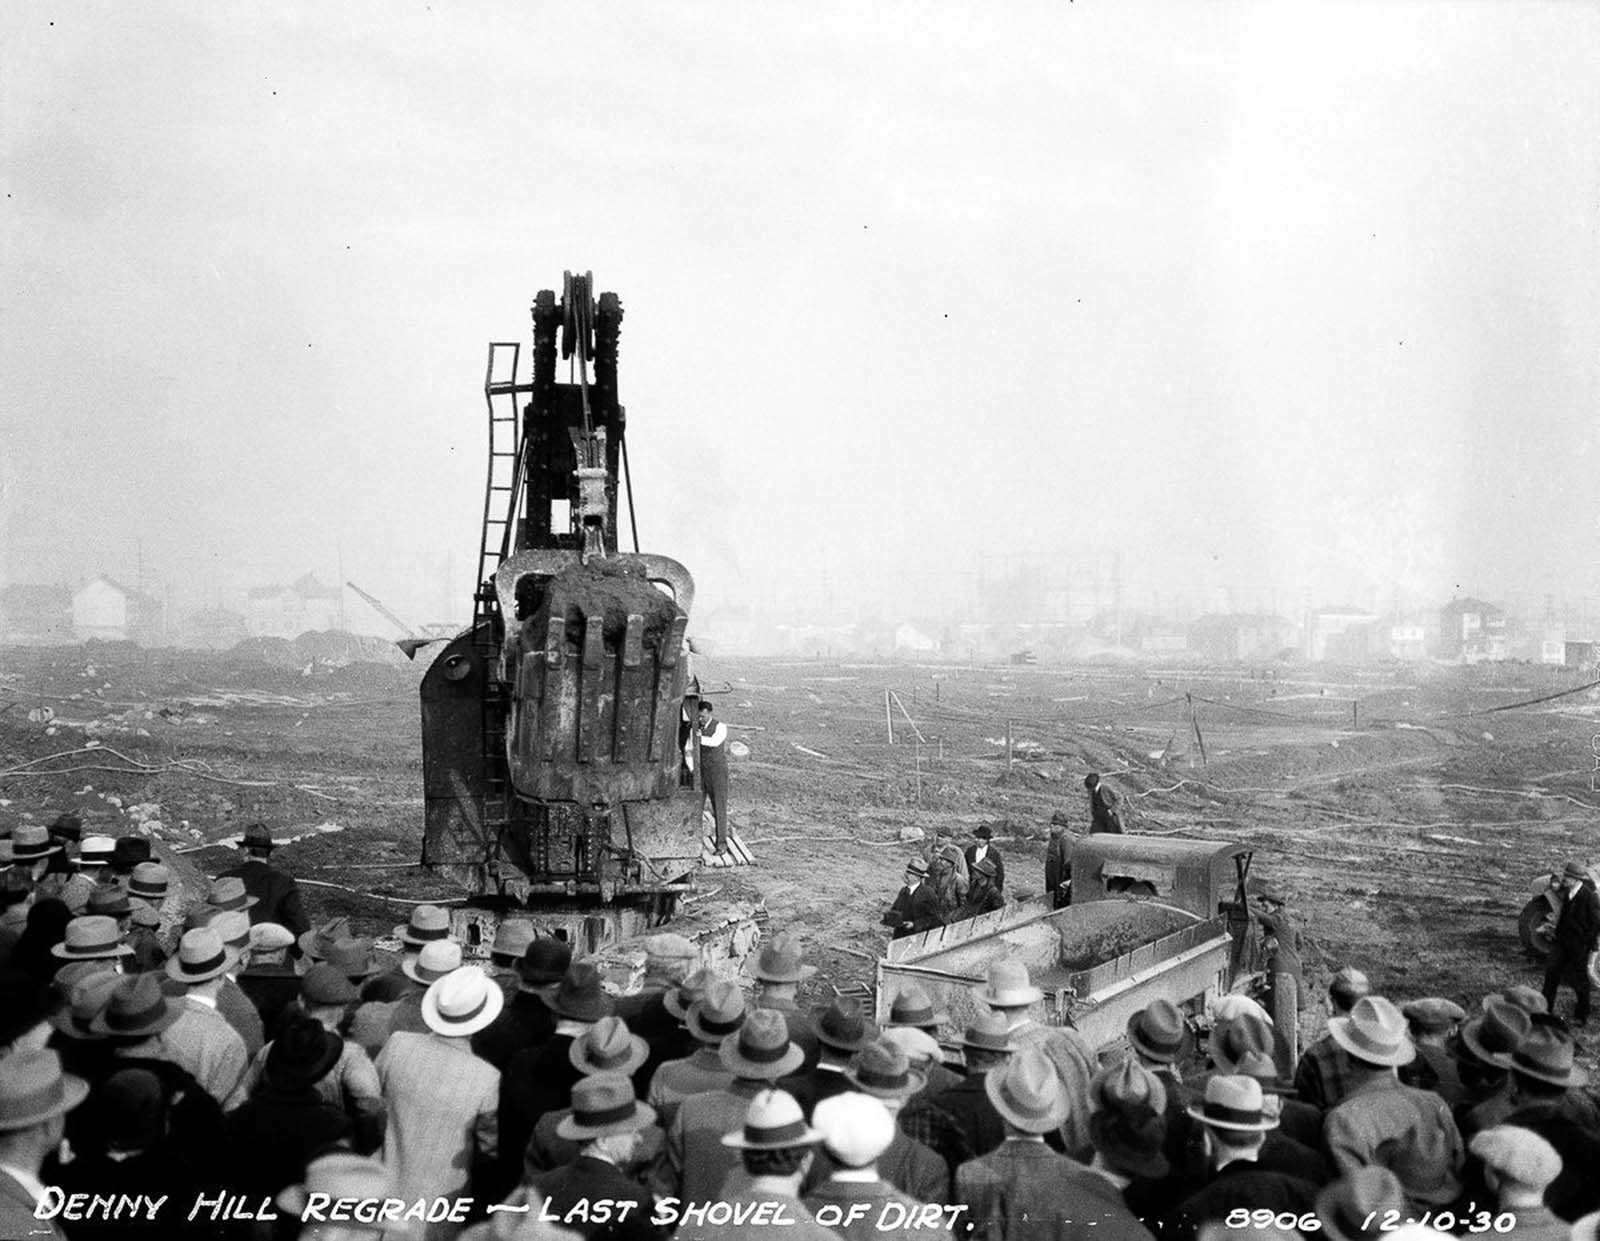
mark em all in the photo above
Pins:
pixel 1405 816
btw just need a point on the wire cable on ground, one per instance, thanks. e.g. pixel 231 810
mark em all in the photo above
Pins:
pixel 1527 702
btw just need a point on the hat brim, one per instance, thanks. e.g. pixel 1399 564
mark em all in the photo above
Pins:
pixel 799 975
pixel 410 968
pixel 916 1080
pixel 1151 1052
pixel 1266 1122
pixel 74 1090
pixel 754 1070
pixel 638 1053
pixel 1060 1107
pixel 1477 1053
pixel 1007 999
pixel 62 953
pixel 1577 1077
pixel 176 972
pixel 1339 1031
pixel 712 1038
pixel 494 1001
pixel 737 1140
pixel 934 1022
pixel 99 1029
pixel 572 1130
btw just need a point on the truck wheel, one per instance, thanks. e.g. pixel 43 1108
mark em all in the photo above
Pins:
pixel 1533 916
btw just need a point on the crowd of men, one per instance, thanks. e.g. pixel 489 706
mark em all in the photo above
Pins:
pixel 248 1071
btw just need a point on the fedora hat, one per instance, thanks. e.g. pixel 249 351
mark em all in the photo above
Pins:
pixel 856 1129
pixel 233 929
pixel 716 1014
pixel 1259 1065
pixel 1529 999
pixel 87 998
pixel 841 1025
pixel 31 842
pixel 680 999
pixel 1433 1015
pixel 912 1007
pixel 201 915
pixel 227 893
pixel 1008 986
pixel 138 1008
pixel 428 923
pixel 1232 1037
pixel 150 881
pixel 110 901
pixel 1127 1121
pixel 604 1103
pixel 511 940
pixel 1028 1093
pixel 544 962
pixel 437 959
pixel 1574 869
pixel 129 851
pixel 1375 1033
pixel 256 836
pixel 917 867
pixel 324 985
pixel 983 832
pixel 579 997
pixel 352 958
pixel 1234 1102
pixel 316 942
pixel 608 1047
pixel 884 1071
pixel 1158 1032
pixel 91 936
pixel 1353 1208
pixel 772 1122
pixel 780 960
pixel 66 826
pixel 1547 1057
pixel 33 1089
pixel 96 851
pixel 302 1054
pixel 1491 1037
pixel 201 957
pixel 988 1032
pixel 463 1002
pixel 760 1049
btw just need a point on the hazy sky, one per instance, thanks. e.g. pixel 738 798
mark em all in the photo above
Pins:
pixel 1299 301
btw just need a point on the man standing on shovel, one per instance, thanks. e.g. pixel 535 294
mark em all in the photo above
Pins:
pixel 713 770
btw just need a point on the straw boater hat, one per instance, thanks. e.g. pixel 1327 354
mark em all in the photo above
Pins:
pixel 150 881
pixel 883 1070
pixel 840 1025
pixel 462 1002
pixel 1158 1032
pixel 1353 1208
pixel 435 960
pixel 428 923
pixel 201 957
pixel 680 999
pixel 912 1007
pixel 1028 1093
pixel 96 851
pixel 33 1089
pixel 227 893
pixel 1546 1057
pixel 1127 1121
pixel 716 1014
pixel 580 997
pixel 1492 1037
pixel 760 1050
pixel 772 1122
pixel 138 1008
pixel 1008 986
pixel 31 843
pixel 316 942
pixel 856 1129
pixel 1234 1102
pixel 608 1047
pixel 1375 1032
pixel 91 936
pixel 602 1104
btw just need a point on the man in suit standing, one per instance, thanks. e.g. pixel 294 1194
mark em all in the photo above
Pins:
pixel 980 849
pixel 35 1097
pixel 610 1123
pixel 1105 807
pixel 277 894
pixel 1577 932
pixel 915 909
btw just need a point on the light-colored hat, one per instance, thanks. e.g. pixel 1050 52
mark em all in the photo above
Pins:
pixel 988 1032
pixel 31 842
pixel 201 957
pixel 716 1014
pixel 608 1047
pixel 1375 1032
pixel 1350 983
pixel 270 937
pixel 1231 1039
pixel 680 999
pixel 316 942
pixel 227 892
pixel 428 923
pixel 920 1046
pixel 89 937
pixel 884 1071
pixel 917 867
pixel 150 881
pixel 1028 1093
pixel 855 1128
pixel 96 851
pixel 145 915
pixel 760 1050
pixel 912 1007
pixel 441 957
pixel 780 960
pixel 1574 869
pixel 1518 1154
pixel 87 997
pixel 1353 1208
pixel 233 929
pixel 772 1122
pixel 1529 999
pixel 1546 1056
pixel 1433 1014
pixel 1234 1102
pixel 463 1002
pixel 604 1103
pixel 346 1176
pixel 1008 986
pixel 512 937
pixel 33 1089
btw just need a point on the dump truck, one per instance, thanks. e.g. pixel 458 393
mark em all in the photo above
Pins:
pixel 1150 918
pixel 554 728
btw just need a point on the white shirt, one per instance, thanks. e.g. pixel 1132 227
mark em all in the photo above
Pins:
pixel 718 734
pixel 978 854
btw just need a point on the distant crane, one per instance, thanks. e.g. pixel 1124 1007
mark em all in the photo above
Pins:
pixel 411 643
